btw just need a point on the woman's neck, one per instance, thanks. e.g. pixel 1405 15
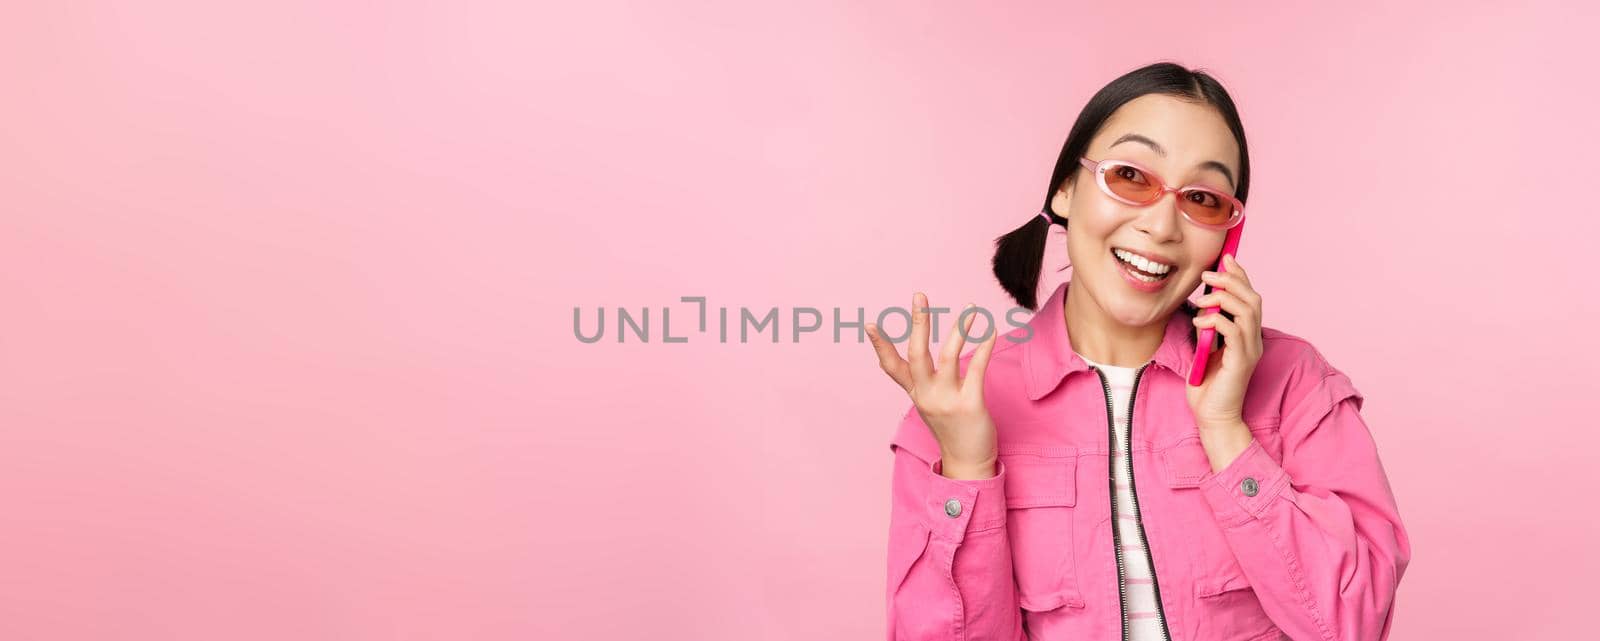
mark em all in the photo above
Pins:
pixel 1100 338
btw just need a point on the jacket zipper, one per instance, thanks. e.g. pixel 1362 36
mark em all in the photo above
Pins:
pixel 1116 531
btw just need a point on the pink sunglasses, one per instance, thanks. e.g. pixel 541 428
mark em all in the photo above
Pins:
pixel 1129 183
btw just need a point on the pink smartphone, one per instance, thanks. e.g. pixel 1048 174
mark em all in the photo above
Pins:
pixel 1207 336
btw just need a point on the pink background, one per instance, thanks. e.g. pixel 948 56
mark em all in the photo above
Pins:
pixel 287 346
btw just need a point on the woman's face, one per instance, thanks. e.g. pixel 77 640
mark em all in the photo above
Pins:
pixel 1183 142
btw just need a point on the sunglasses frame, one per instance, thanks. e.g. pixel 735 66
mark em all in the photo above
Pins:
pixel 1102 166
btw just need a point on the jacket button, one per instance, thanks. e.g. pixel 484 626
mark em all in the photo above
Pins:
pixel 1250 486
pixel 952 508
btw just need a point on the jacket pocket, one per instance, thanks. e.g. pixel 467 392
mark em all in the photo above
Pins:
pixel 1226 605
pixel 1041 493
pixel 1216 571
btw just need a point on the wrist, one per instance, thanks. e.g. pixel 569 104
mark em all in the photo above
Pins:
pixel 1221 424
pixel 1224 443
pixel 968 470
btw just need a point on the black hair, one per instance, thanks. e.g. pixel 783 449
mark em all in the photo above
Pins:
pixel 1019 254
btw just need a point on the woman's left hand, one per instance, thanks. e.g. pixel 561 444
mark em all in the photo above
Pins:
pixel 1218 402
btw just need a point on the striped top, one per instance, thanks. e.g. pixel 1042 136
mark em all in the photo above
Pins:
pixel 1144 620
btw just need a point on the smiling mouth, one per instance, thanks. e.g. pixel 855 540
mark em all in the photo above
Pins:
pixel 1141 268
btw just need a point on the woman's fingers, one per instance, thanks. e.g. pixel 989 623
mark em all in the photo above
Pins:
pixel 921 363
pixel 1242 311
pixel 1232 265
pixel 973 382
pixel 1232 281
pixel 1235 295
pixel 889 358
pixel 920 367
pixel 950 351
pixel 1232 335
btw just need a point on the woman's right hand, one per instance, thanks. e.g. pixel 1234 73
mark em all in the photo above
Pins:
pixel 949 403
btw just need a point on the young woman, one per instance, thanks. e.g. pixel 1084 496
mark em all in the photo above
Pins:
pixel 1066 483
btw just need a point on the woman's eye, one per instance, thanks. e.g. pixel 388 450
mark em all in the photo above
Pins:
pixel 1204 199
pixel 1129 173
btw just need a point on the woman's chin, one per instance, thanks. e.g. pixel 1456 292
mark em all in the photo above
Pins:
pixel 1139 310
pixel 1134 313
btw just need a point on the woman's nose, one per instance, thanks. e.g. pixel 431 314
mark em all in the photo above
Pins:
pixel 1162 218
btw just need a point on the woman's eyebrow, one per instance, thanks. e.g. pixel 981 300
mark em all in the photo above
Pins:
pixel 1156 147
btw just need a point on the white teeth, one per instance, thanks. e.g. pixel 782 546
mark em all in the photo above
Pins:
pixel 1147 279
pixel 1142 263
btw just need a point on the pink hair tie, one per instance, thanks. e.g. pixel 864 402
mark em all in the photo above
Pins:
pixel 1046 217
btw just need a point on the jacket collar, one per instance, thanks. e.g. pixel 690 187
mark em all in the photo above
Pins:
pixel 1048 357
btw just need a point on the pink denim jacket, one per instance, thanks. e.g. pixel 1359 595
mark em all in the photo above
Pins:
pixel 1299 537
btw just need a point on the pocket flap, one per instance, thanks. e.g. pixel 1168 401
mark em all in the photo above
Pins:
pixel 1186 463
pixel 1047 602
pixel 1040 475
pixel 1223 584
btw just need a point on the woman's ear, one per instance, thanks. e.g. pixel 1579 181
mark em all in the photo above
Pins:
pixel 1062 198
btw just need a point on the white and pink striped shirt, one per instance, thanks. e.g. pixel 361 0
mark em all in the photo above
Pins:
pixel 1144 619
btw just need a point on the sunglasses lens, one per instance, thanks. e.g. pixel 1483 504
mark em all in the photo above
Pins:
pixel 1206 207
pixel 1131 183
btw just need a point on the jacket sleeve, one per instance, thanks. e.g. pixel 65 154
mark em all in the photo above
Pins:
pixel 949 555
pixel 1318 536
